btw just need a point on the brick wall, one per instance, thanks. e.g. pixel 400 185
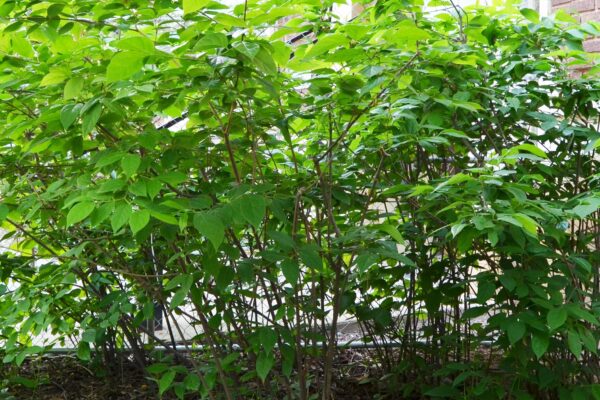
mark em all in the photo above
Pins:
pixel 584 10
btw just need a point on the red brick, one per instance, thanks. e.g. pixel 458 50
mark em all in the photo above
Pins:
pixel 575 15
pixel 593 16
pixel 358 8
pixel 579 6
pixel 592 46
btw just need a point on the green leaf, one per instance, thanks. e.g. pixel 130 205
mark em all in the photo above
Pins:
pixel 326 43
pixel 225 276
pixel 229 20
pixel 264 364
pixel 210 226
pixel 467 105
pixel 3 212
pixel 89 336
pixel 130 164
pixel 124 65
pixel 83 351
pixel 528 223
pixel 454 180
pixel 249 49
pixel 508 282
pixel 310 256
pixel 138 188
pixel 364 261
pixel 54 77
pixel 91 117
pixel 21 380
pixel 212 40
pixel 446 391
pixel 532 149
pixel 404 81
pixel 407 31
pixel 73 88
pixel 282 239
pixel 192 382
pixel 79 212
pixel 165 381
pixel 148 310
pixel 589 340
pixel 120 216
pixel 190 6
pixel 167 218
pixel 153 187
pixel 485 291
pixel 556 318
pixel 581 313
pixel 179 297
pixel 268 338
pixel 253 209
pixel 173 178
pixel 516 330
pixel 530 14
pixel 291 271
pixel 136 44
pixel 584 210
pixel 108 157
pixel 183 280
pixel 69 114
pixel 510 219
pixel 281 52
pixel 539 344
pixel 574 344
pixel 22 46
pixel 6 8
pixel 265 62
pixel 528 148
pixel 456 229
pixel 138 220
pixel 393 232
pixel 157 368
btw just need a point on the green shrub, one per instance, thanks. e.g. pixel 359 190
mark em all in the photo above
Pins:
pixel 431 174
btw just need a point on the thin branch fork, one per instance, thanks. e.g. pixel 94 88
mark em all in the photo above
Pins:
pixel 372 104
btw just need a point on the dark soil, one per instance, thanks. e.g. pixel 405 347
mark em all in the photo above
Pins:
pixel 66 378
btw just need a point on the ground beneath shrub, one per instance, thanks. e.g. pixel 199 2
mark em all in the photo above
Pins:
pixel 65 378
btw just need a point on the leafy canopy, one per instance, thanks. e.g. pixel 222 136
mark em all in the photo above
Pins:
pixel 431 172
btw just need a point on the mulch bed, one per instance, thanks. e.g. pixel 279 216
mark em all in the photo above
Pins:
pixel 65 378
